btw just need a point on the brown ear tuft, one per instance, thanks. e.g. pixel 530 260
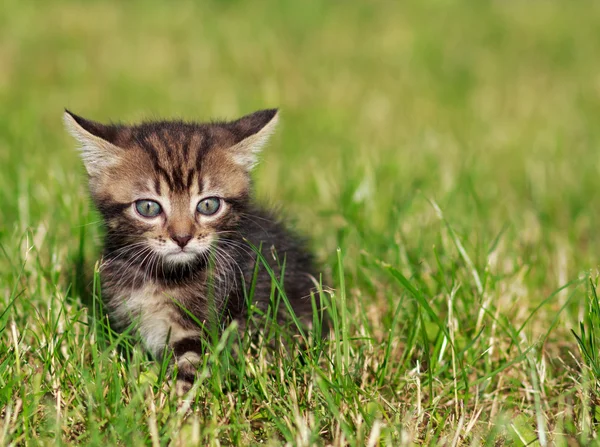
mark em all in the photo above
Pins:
pixel 253 123
pixel 106 132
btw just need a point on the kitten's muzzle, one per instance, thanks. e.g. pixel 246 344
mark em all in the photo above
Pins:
pixel 182 240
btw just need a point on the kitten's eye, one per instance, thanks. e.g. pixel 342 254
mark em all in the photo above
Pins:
pixel 209 206
pixel 148 208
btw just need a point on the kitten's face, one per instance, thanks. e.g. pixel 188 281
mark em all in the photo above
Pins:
pixel 167 190
pixel 178 218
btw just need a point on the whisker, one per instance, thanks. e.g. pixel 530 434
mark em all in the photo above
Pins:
pixel 123 252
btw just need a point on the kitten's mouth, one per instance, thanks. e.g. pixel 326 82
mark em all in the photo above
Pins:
pixel 181 256
pixel 176 255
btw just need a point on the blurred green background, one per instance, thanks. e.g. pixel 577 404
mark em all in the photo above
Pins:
pixel 490 109
pixel 487 107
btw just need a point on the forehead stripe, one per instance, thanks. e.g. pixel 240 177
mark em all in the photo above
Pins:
pixel 205 145
pixel 178 184
pixel 185 149
pixel 190 177
pixel 151 151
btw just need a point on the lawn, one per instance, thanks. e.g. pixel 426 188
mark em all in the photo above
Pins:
pixel 443 157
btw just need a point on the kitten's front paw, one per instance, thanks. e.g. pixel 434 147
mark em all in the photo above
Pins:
pixel 186 373
pixel 182 387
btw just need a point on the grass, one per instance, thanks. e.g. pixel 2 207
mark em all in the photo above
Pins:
pixel 441 155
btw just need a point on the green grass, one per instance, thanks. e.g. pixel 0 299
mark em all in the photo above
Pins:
pixel 444 159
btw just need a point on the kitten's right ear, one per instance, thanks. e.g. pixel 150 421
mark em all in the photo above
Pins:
pixel 97 149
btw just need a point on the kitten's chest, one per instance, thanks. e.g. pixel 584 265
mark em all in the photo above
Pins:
pixel 154 314
pixel 147 301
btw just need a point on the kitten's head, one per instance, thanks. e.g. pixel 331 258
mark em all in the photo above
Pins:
pixel 167 189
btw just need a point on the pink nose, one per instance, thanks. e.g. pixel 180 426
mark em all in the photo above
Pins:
pixel 182 240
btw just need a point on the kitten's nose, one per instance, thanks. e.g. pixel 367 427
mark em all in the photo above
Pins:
pixel 182 240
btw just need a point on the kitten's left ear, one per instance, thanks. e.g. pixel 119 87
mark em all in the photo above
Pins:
pixel 252 132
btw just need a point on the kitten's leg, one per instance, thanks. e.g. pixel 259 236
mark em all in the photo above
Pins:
pixel 161 331
pixel 187 352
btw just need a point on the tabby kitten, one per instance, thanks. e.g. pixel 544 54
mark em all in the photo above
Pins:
pixel 176 202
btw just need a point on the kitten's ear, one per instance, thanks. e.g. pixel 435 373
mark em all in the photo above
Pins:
pixel 97 150
pixel 252 133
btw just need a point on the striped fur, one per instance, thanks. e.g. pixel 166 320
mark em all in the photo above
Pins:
pixel 147 276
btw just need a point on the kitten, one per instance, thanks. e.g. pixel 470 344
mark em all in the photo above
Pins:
pixel 176 202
